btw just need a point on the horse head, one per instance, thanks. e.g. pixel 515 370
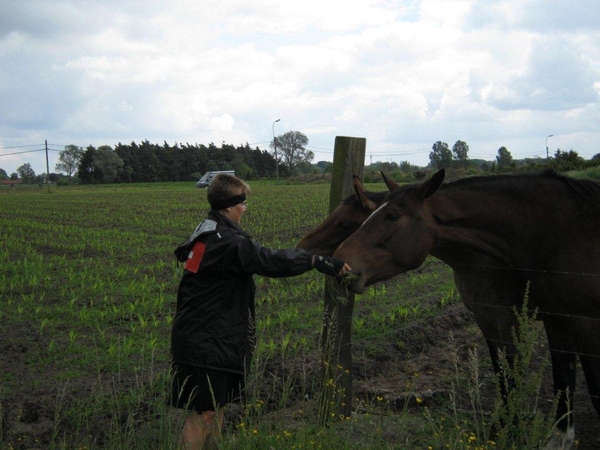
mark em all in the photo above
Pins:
pixel 395 238
pixel 345 219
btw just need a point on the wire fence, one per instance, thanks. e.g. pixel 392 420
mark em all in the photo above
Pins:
pixel 503 311
pixel 511 308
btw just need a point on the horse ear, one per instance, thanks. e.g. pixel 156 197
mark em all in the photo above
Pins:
pixel 391 184
pixel 361 195
pixel 431 186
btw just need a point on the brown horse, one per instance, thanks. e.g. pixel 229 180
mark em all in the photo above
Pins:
pixel 345 219
pixel 499 234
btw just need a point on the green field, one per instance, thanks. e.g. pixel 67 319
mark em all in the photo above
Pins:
pixel 87 294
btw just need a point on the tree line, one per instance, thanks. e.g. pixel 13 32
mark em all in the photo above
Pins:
pixel 457 158
pixel 441 157
pixel 148 162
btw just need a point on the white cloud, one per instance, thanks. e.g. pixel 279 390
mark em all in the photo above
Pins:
pixel 403 74
pixel 555 77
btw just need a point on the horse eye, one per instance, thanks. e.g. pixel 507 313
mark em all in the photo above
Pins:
pixel 392 216
pixel 342 225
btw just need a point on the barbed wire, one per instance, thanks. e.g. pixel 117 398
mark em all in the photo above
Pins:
pixel 456 313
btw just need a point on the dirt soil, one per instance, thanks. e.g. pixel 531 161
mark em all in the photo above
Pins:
pixel 426 371
pixel 416 362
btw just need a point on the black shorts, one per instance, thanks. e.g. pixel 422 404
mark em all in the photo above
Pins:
pixel 199 389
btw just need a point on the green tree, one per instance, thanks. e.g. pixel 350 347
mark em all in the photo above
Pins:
pixel 407 167
pixel 106 164
pixel 291 149
pixel 68 159
pixel 564 161
pixel 85 169
pixel 148 170
pixel 26 173
pixel 262 162
pixel 440 157
pixel 461 153
pixel 504 160
pixel 3 175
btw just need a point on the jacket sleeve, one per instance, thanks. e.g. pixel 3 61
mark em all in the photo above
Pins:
pixel 252 258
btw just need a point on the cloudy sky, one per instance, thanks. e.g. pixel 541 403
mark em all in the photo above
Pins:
pixel 401 73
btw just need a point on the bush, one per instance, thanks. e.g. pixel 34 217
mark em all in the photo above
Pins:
pixel 592 173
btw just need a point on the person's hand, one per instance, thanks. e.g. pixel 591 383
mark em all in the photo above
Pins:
pixel 330 266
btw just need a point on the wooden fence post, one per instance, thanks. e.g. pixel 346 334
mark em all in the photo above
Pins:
pixel 348 160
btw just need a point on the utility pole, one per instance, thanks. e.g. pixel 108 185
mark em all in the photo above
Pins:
pixel 275 147
pixel 47 166
pixel 549 136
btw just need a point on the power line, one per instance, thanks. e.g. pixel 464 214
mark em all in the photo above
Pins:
pixel 415 152
pixel 58 145
pixel 411 152
pixel 323 150
pixel 20 146
pixel 20 153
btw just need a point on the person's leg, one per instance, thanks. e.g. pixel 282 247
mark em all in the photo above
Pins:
pixel 204 391
pixel 200 429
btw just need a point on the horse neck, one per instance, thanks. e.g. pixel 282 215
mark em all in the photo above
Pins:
pixel 490 219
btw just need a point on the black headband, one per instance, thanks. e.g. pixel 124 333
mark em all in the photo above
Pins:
pixel 231 201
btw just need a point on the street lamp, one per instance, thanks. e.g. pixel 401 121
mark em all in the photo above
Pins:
pixel 275 147
pixel 549 136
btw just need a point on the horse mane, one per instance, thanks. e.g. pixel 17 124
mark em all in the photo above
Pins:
pixel 508 178
pixel 587 190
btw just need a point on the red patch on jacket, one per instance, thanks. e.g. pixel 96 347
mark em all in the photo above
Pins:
pixel 195 257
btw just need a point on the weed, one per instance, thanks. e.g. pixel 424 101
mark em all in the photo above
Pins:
pixel 516 422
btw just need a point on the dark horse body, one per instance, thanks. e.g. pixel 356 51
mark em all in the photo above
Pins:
pixel 500 234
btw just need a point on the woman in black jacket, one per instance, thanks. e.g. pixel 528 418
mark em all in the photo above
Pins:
pixel 213 328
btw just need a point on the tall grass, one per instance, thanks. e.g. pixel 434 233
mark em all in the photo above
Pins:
pixel 517 422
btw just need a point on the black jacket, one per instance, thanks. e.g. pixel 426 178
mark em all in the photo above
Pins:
pixel 214 322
